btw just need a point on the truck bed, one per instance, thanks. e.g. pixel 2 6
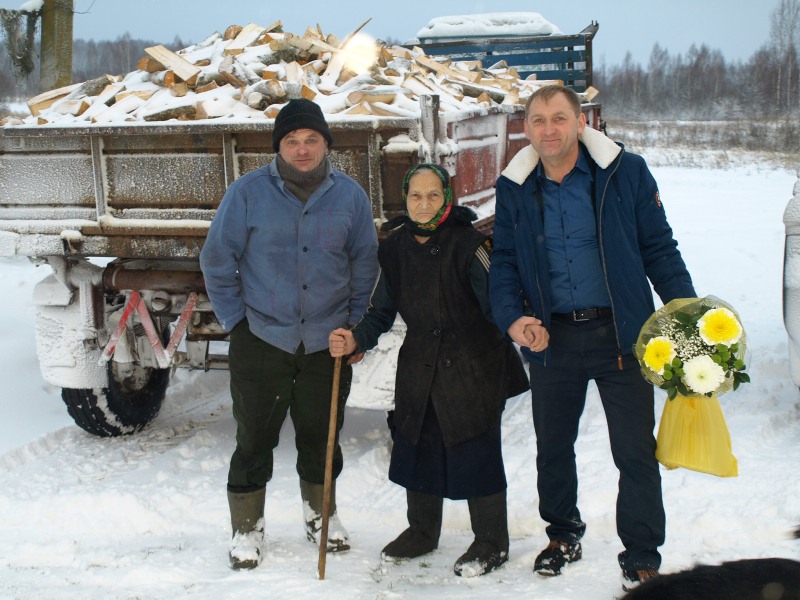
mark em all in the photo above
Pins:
pixel 144 190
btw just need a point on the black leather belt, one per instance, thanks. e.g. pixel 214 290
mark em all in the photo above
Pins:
pixel 584 314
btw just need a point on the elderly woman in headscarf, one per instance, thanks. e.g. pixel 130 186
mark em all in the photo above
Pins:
pixel 455 371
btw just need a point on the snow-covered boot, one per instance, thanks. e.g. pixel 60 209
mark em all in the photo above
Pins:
pixel 490 526
pixel 312 494
pixel 247 523
pixel 425 525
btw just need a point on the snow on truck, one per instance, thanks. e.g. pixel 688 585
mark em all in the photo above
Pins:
pixel 113 182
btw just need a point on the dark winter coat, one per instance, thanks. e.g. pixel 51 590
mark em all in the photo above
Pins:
pixel 634 238
pixel 452 353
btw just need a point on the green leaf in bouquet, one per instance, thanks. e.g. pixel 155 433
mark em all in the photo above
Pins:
pixel 739 364
pixel 716 358
pixel 667 375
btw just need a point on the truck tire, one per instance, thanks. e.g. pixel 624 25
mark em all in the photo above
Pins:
pixel 126 406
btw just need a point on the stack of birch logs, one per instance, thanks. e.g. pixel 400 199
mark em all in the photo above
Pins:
pixel 251 72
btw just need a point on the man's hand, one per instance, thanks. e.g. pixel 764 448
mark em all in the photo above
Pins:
pixel 342 343
pixel 528 332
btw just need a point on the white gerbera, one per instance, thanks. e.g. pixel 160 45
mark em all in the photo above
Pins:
pixel 702 375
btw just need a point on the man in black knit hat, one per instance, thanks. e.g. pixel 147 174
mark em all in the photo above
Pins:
pixel 291 255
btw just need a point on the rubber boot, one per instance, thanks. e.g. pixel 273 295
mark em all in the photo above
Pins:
pixel 247 523
pixel 490 525
pixel 425 526
pixel 312 494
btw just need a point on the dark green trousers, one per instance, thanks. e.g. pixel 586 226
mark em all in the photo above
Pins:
pixel 266 383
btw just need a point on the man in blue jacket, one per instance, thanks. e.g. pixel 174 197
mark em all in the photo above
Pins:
pixel 579 231
pixel 290 256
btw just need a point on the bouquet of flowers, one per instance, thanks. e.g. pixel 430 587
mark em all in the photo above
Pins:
pixel 694 348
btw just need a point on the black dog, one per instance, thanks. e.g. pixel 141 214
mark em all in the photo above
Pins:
pixel 749 579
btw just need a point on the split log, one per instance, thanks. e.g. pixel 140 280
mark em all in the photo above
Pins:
pixel 272 90
pixel 118 109
pixel 268 74
pixel 355 32
pixel 294 72
pixel 71 107
pixel 236 73
pixel 231 32
pixel 182 68
pixel 468 65
pixel 382 94
pixel 181 113
pixel 213 85
pixel 246 37
pixel 441 69
pixel 92 87
pixel 46 99
pixel 272 111
pixel 214 108
pixel 179 89
pixel 103 100
pixel 149 64
pixel 475 91
pixel 590 93
pixel 209 41
pixel 142 94
pixel 330 78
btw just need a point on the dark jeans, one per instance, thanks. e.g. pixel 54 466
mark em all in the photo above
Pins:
pixel 582 352
pixel 266 382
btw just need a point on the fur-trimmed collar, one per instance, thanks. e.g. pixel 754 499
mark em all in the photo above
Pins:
pixel 601 148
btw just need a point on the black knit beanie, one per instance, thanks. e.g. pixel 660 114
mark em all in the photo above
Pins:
pixel 299 114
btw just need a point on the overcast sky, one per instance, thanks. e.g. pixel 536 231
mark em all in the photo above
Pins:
pixel 736 27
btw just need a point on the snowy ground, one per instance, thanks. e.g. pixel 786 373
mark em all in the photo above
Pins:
pixel 146 516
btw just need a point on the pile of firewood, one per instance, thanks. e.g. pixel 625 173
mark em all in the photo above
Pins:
pixel 251 72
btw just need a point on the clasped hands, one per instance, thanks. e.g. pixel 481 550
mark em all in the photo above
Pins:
pixel 528 332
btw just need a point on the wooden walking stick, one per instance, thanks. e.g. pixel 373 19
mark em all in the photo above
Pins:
pixel 326 490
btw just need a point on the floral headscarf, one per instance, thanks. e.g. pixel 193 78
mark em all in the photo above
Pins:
pixel 439 218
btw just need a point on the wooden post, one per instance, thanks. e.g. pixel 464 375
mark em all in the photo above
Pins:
pixel 56 59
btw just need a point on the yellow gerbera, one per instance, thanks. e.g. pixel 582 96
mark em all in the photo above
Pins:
pixel 719 326
pixel 659 351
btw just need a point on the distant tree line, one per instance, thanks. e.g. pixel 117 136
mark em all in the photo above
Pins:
pixel 702 85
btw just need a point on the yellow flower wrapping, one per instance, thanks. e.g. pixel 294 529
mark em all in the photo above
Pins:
pixel 692 433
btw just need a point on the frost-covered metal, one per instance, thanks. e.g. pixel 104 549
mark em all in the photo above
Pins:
pixel 150 191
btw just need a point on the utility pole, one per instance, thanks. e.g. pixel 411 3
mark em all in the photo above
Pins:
pixel 56 50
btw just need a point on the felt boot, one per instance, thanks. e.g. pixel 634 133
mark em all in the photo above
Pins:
pixel 490 526
pixel 425 525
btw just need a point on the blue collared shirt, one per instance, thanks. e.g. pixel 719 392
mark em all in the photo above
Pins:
pixel 576 275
